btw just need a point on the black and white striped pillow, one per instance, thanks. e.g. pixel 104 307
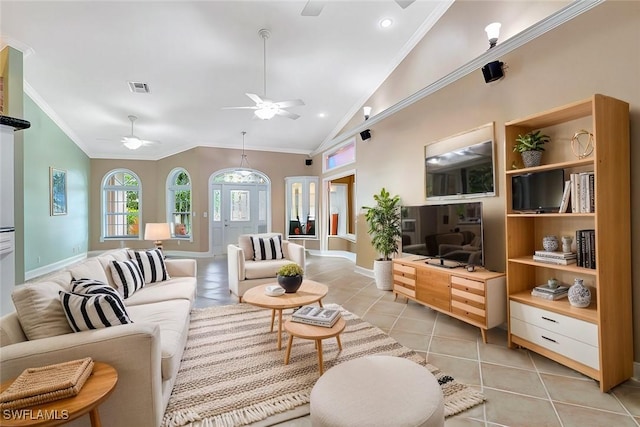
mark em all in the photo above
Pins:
pixel 96 287
pixel 127 277
pixel 151 263
pixel 86 312
pixel 267 248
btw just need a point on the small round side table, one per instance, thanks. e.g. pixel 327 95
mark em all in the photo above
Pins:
pixel 95 390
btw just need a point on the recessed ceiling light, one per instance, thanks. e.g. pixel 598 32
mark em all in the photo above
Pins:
pixel 322 115
pixel 386 22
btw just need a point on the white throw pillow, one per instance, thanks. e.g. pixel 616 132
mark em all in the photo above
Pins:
pixel 127 277
pixel 89 269
pixel 86 312
pixel 267 248
pixel 151 263
pixel 39 310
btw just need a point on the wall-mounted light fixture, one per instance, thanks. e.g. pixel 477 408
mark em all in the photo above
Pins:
pixel 367 112
pixel 493 70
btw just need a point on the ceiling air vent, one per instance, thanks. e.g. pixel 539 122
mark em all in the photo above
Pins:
pixel 137 87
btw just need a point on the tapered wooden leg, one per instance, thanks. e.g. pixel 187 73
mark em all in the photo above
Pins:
pixel 279 329
pixel 484 335
pixel 320 362
pixel 273 317
pixel 320 303
pixel 339 343
pixel 287 354
pixel 95 418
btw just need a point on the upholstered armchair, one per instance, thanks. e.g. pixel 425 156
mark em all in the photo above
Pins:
pixel 256 258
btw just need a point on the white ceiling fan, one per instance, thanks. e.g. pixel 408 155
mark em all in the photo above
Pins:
pixel 266 109
pixel 132 142
pixel 314 7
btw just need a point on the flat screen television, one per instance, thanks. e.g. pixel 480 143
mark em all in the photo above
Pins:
pixel 538 192
pixel 450 235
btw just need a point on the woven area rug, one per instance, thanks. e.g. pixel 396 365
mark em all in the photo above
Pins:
pixel 232 373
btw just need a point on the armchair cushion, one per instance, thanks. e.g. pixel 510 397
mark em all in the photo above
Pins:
pixel 265 248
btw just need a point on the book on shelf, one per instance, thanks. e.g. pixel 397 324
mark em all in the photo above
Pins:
pixel 582 192
pixel 556 254
pixel 547 290
pixel 548 296
pixel 566 196
pixel 585 248
pixel 557 261
pixel 319 316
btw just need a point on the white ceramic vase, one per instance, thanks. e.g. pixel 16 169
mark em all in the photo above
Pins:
pixel 579 294
pixel 383 272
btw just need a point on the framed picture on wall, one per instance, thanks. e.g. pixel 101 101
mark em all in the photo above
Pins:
pixel 58 191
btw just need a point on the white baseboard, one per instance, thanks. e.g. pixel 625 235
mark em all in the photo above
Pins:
pixel 344 254
pixel 50 268
pixel 636 371
pixel 365 272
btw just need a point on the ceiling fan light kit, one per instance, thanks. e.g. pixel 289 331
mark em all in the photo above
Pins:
pixel 265 109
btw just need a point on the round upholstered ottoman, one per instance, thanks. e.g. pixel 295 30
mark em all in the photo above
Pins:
pixel 377 391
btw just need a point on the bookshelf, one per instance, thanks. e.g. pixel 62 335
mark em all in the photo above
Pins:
pixel 596 341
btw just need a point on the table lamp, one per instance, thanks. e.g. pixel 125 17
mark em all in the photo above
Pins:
pixel 157 231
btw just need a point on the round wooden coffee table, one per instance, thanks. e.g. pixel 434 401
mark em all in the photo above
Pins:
pixel 95 390
pixel 309 293
pixel 315 333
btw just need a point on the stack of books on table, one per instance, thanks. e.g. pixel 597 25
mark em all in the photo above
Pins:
pixel 318 316
pixel 561 258
pixel 544 291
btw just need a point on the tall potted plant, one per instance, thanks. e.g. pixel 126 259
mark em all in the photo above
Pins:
pixel 383 220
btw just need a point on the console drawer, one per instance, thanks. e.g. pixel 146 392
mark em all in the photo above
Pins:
pixel 468 285
pixel 404 280
pixel 576 329
pixel 473 313
pixel 561 344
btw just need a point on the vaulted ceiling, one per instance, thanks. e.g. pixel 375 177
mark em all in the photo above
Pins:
pixel 200 56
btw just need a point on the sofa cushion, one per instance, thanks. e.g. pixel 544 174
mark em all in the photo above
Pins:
pixel 263 269
pixel 174 288
pixel 266 248
pixel 86 312
pixel 151 263
pixel 89 269
pixel 105 262
pixel 127 277
pixel 173 319
pixel 39 310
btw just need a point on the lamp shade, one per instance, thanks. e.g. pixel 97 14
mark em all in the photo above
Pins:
pixel 157 231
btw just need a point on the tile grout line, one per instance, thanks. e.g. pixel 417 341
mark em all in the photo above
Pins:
pixel 484 407
pixel 546 390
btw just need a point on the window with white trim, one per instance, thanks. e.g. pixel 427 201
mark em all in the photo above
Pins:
pixel 179 203
pixel 342 155
pixel 121 196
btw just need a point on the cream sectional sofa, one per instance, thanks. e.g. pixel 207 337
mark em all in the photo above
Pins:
pixel 145 353
pixel 245 272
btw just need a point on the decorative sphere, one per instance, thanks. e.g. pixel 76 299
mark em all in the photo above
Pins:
pixel 291 284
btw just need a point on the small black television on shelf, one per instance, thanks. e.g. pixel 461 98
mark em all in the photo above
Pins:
pixel 450 235
pixel 539 192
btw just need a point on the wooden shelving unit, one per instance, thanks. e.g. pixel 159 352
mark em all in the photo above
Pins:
pixel 596 341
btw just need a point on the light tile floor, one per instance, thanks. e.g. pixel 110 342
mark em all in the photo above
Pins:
pixel 521 387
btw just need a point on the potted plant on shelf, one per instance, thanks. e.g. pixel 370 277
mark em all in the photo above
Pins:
pixel 530 146
pixel 383 220
pixel 290 277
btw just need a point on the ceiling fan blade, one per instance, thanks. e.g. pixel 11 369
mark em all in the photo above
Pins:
pixel 287 114
pixel 255 98
pixel 289 103
pixel 240 108
pixel 312 8
pixel 404 3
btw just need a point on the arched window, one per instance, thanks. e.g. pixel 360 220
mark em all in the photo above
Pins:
pixel 121 202
pixel 179 203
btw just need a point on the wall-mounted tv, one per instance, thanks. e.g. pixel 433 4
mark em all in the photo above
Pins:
pixel 538 191
pixel 461 165
pixel 449 232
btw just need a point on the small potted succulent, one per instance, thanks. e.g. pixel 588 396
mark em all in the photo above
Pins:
pixel 290 277
pixel 530 146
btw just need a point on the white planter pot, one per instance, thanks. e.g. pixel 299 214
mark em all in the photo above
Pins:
pixel 383 272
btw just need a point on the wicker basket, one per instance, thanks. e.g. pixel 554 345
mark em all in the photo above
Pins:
pixel 45 384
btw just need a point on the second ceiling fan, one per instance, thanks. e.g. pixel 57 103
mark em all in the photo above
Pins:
pixel 266 109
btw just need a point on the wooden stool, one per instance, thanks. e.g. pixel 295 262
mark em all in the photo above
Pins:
pixel 315 333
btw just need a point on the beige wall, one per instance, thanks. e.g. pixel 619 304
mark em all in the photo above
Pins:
pixel 201 163
pixel 594 53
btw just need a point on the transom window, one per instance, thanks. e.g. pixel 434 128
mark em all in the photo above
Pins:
pixel 342 155
pixel 179 203
pixel 121 195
